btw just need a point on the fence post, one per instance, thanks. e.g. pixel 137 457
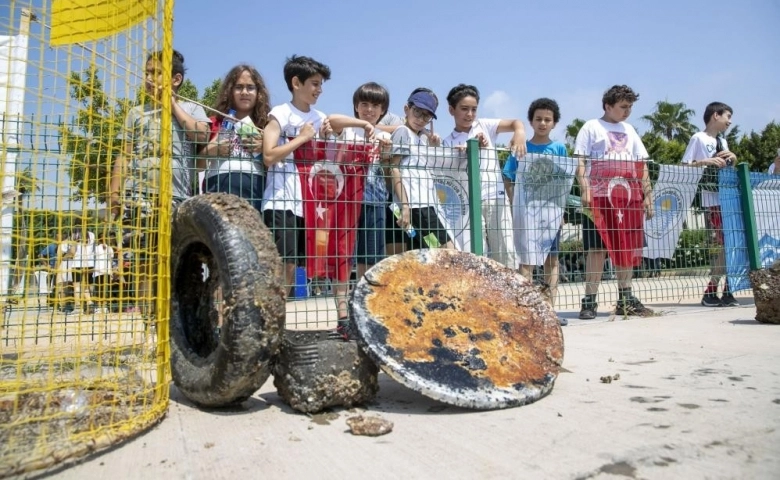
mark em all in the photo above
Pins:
pixel 749 215
pixel 475 196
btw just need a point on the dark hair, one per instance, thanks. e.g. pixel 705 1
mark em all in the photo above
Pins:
pixel 224 100
pixel 303 68
pixel 422 89
pixel 716 107
pixel 544 104
pixel 461 91
pixel 177 64
pixel 618 93
pixel 371 92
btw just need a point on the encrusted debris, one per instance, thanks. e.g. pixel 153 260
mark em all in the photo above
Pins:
pixel 369 425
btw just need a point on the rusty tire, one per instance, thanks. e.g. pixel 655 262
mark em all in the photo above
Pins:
pixel 225 233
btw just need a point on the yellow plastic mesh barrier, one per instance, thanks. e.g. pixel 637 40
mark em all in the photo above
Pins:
pixel 85 293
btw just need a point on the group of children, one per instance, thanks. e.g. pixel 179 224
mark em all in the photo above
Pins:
pixel 262 169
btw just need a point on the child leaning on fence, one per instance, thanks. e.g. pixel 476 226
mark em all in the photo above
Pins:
pixel 707 149
pixel 235 163
pixel 543 114
pixel 619 195
pixel 496 221
pixel 370 103
pixel 135 178
pixel 291 125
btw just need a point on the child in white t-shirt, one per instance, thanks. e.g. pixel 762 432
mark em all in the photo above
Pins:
pixel 707 149
pixel 617 192
pixel 296 119
pixel 496 219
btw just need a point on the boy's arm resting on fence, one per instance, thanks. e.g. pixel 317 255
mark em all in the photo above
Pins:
pixel 196 131
pixel 274 153
pixel 339 122
pixel 517 142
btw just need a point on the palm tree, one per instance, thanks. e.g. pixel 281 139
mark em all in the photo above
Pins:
pixel 671 121
pixel 573 129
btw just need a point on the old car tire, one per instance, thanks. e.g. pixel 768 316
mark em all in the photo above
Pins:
pixel 219 367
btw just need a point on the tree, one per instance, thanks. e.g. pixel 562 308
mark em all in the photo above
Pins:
pixel 188 90
pixel 671 121
pixel 573 129
pixel 90 139
pixel 759 150
pixel 210 93
pixel 664 151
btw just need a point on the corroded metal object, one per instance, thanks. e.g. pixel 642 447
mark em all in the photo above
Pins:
pixel 458 328
pixel 314 371
pixel 766 293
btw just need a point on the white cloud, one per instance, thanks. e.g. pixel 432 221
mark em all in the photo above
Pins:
pixel 499 104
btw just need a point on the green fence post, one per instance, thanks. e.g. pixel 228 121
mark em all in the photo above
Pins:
pixel 475 196
pixel 749 215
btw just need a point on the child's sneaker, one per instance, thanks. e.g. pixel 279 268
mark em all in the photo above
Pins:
pixel 632 306
pixel 588 309
pixel 344 330
pixel 711 300
pixel 728 300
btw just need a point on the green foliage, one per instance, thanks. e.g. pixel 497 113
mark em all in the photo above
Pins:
pixel 572 130
pixel 188 90
pixel 758 150
pixel 210 94
pixel 693 249
pixel 671 121
pixel 90 139
pixel 664 151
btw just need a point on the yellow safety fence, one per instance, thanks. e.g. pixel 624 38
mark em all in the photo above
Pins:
pixel 84 237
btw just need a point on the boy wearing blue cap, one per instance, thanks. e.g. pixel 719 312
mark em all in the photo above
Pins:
pixel 412 184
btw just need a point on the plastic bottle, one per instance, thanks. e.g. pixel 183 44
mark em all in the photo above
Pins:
pixel 227 128
pixel 73 401
pixel 397 214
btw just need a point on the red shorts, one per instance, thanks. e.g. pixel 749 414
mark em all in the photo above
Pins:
pixel 714 224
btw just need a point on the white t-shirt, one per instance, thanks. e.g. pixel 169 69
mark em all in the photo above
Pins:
pixel 490 173
pixel 701 146
pixel 104 256
pixel 771 168
pixel 415 177
pixel 283 187
pixel 600 140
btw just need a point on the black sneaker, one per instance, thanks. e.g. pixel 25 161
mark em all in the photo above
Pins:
pixel 588 310
pixel 728 300
pixel 632 306
pixel 711 300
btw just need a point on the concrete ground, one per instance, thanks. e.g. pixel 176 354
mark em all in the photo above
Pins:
pixel 698 397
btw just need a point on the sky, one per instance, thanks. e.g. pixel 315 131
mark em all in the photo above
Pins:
pixel 688 51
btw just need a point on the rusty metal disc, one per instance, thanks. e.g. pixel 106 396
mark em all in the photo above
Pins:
pixel 458 328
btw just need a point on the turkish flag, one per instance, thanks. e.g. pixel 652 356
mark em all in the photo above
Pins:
pixel 333 175
pixel 618 211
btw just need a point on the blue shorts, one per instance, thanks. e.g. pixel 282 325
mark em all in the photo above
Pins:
pixel 556 245
pixel 371 234
pixel 248 186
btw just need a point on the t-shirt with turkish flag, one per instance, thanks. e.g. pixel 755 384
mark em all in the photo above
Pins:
pixel 615 170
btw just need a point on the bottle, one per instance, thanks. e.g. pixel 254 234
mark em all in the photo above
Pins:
pixel 397 214
pixel 227 128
